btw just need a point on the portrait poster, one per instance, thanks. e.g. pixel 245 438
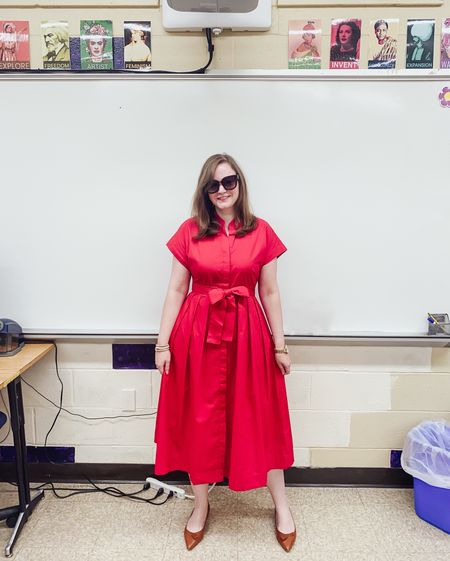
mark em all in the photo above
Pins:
pixel 305 44
pixel 345 44
pixel 96 50
pixel 383 43
pixel 137 53
pixel 420 43
pixel 14 45
pixel 445 44
pixel 55 45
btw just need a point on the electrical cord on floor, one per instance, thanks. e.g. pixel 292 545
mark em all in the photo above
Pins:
pixel 111 491
pixel 114 492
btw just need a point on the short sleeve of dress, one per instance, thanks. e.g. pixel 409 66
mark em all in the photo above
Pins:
pixel 179 243
pixel 274 246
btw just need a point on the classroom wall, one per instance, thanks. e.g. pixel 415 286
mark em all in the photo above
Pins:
pixel 243 50
pixel 350 406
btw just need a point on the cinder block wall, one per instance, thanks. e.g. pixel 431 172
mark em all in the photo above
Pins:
pixel 350 406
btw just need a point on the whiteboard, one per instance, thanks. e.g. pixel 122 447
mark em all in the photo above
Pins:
pixel 351 172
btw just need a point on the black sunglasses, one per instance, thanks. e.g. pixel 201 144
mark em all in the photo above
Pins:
pixel 229 183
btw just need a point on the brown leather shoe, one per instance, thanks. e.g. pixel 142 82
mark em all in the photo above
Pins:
pixel 285 540
pixel 194 538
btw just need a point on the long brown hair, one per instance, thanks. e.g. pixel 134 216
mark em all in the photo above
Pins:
pixel 203 210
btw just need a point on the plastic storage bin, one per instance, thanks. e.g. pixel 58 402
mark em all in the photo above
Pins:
pixel 426 456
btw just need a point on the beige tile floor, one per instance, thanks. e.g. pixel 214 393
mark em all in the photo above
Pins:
pixel 333 524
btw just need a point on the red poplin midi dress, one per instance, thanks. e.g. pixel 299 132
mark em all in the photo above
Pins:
pixel 223 409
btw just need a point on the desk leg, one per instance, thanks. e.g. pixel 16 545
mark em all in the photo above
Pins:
pixel 26 505
pixel 18 428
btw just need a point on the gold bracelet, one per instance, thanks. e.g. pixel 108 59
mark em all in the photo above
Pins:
pixel 284 350
pixel 161 348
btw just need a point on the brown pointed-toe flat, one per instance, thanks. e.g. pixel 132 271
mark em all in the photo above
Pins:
pixel 285 540
pixel 194 538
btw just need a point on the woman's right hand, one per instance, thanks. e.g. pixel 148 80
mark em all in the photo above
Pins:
pixel 162 361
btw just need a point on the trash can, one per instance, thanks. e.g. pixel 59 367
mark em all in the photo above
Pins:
pixel 426 456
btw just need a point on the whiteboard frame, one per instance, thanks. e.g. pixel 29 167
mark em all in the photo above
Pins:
pixel 278 75
pixel 367 339
pixel 362 338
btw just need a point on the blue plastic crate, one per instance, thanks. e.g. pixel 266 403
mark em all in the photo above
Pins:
pixel 432 504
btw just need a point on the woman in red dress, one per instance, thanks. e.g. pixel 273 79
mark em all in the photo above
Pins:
pixel 223 410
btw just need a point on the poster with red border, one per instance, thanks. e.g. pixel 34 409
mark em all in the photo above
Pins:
pixel 14 45
pixel 345 44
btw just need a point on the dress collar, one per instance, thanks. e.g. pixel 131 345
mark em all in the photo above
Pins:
pixel 231 225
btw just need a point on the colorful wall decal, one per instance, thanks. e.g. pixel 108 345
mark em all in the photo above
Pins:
pixel 444 97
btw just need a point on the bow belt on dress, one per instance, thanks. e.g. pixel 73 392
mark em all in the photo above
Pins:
pixel 222 316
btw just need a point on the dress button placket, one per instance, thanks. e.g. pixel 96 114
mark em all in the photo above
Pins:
pixel 224 359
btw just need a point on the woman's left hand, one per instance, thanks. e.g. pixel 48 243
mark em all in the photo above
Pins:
pixel 284 362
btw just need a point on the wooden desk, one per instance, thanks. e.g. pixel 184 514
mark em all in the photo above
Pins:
pixel 11 368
